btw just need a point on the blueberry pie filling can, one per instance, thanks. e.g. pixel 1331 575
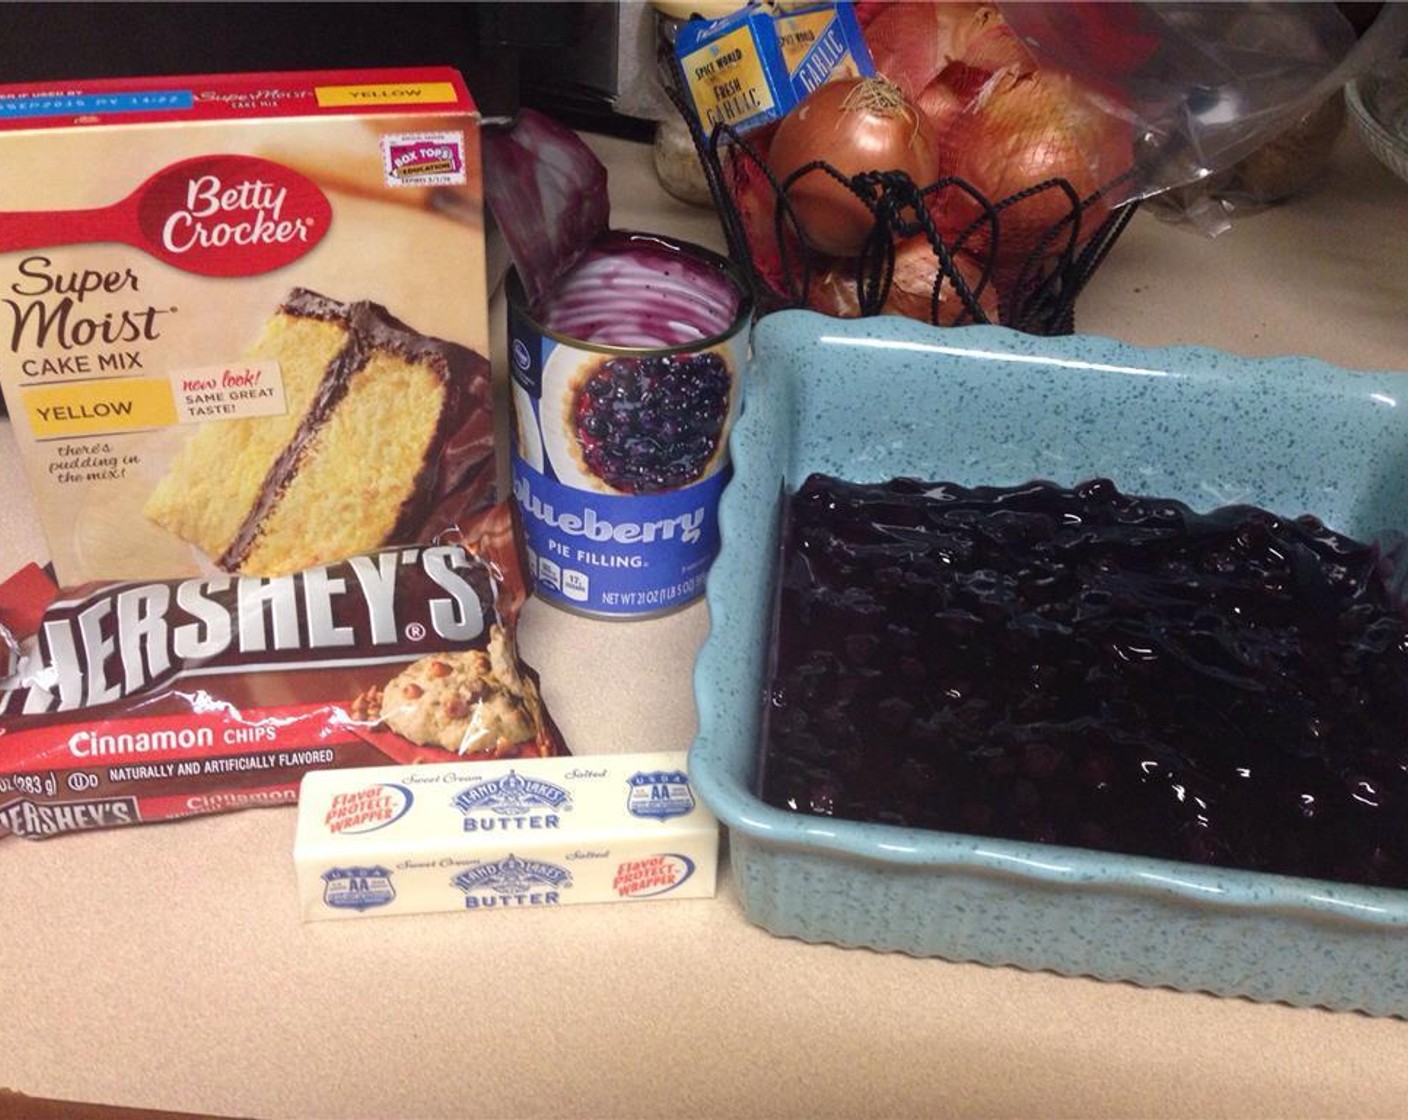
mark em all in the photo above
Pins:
pixel 625 385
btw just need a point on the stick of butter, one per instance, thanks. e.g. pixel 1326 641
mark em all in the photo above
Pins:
pixel 488 835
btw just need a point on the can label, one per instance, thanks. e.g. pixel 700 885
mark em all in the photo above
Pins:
pixel 619 459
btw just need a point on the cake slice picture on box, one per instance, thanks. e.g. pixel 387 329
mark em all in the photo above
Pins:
pixel 382 424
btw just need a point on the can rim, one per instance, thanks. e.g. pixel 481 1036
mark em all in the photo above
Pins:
pixel 518 299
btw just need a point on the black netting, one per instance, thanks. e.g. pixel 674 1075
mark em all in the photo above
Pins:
pixel 971 283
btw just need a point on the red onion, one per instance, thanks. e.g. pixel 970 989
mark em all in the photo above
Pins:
pixel 547 192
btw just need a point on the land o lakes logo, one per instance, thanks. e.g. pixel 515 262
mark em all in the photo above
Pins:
pixel 513 881
pixel 512 803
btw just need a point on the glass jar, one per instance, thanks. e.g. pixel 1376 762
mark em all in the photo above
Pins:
pixel 676 159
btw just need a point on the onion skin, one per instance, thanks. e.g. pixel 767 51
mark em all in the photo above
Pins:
pixel 756 202
pixel 996 48
pixel 912 290
pixel 945 98
pixel 856 125
pixel 833 291
pixel 910 43
pixel 941 103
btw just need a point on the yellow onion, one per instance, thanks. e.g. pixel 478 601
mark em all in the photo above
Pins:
pixel 912 290
pixel 911 43
pixel 995 48
pixel 1024 129
pixel 941 105
pixel 833 290
pixel 856 125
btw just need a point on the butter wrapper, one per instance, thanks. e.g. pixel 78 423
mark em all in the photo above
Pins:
pixel 754 66
pixel 493 835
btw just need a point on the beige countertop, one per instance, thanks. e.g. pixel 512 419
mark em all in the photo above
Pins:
pixel 166 967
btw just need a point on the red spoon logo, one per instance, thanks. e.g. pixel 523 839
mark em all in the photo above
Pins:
pixel 223 215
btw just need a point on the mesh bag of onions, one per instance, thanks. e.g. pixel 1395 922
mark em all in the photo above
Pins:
pixel 961 183
pixel 998 151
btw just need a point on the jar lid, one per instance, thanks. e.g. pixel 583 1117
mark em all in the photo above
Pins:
pixel 686 9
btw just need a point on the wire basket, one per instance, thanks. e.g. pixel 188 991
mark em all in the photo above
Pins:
pixel 965 276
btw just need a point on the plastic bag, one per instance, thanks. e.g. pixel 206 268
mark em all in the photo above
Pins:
pixel 1286 165
pixel 1201 86
pixel 1051 122
pixel 1235 106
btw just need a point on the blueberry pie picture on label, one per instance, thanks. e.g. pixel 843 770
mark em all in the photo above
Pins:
pixel 642 425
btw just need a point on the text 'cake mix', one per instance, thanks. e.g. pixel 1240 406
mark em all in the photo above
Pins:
pixel 243 320
pixel 243 339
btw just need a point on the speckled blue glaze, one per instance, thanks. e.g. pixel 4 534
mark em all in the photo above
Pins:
pixel 876 398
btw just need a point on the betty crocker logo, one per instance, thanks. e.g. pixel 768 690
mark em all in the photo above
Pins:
pixel 222 215
pixel 231 215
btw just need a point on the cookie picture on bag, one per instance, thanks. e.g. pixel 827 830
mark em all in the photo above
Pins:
pixel 473 703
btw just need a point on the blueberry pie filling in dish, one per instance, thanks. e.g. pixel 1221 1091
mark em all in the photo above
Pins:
pixel 1084 667
pixel 642 425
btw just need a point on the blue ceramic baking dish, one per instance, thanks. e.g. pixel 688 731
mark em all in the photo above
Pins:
pixel 872 399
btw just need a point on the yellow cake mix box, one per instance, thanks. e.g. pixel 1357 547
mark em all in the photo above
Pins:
pixel 244 318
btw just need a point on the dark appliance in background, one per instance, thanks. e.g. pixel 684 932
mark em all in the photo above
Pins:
pixel 604 80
